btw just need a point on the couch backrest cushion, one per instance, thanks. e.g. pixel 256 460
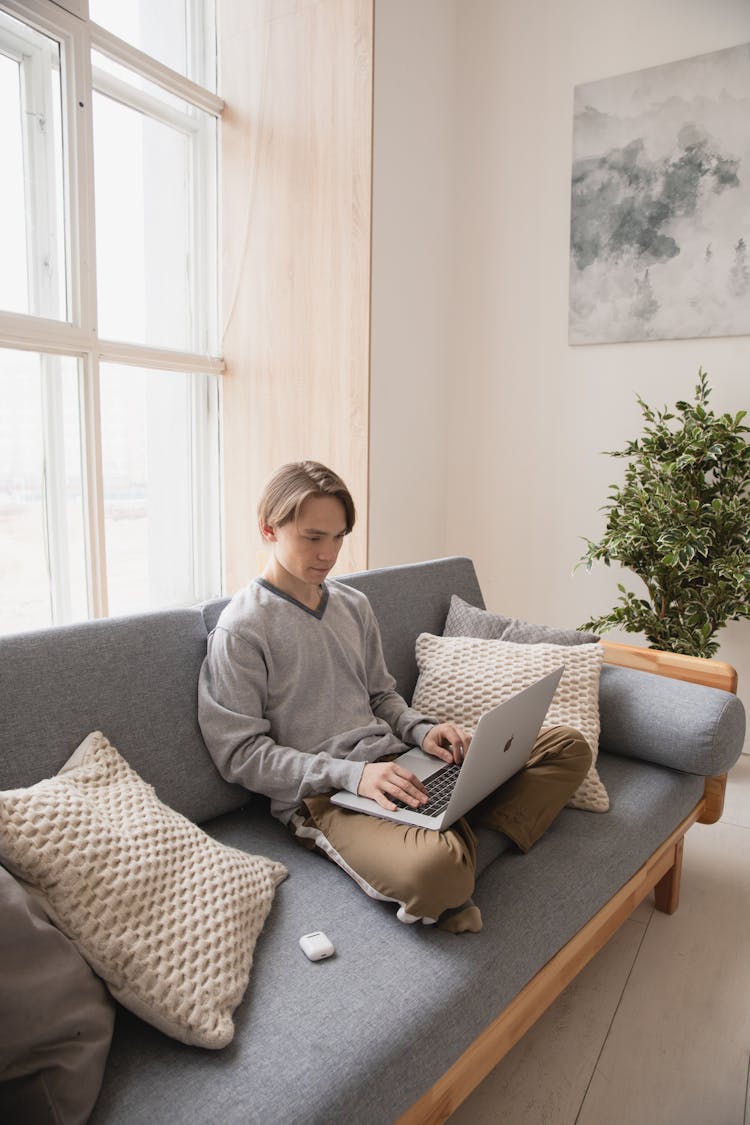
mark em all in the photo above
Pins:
pixel 212 612
pixel 414 599
pixel 134 679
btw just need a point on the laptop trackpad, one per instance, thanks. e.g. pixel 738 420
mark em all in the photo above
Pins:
pixel 421 764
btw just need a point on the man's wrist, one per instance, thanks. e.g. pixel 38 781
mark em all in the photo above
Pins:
pixel 358 782
pixel 421 731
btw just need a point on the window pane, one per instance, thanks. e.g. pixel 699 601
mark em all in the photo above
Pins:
pixel 42 555
pixel 14 281
pixel 153 475
pixel 179 33
pixel 32 234
pixel 156 246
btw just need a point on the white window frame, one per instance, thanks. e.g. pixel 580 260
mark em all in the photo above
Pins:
pixel 45 260
pixel 77 336
pixel 42 252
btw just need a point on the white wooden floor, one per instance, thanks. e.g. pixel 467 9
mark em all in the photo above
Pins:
pixel 656 1029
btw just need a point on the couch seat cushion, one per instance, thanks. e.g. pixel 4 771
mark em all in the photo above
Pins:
pixel 334 1040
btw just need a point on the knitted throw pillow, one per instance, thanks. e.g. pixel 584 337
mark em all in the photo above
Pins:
pixel 462 677
pixel 165 915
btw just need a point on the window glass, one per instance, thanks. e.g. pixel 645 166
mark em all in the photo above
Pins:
pixel 155 190
pixel 43 557
pixel 32 234
pixel 179 33
pixel 14 282
pixel 152 467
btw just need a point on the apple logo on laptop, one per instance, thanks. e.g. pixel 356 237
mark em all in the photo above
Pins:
pixel 506 748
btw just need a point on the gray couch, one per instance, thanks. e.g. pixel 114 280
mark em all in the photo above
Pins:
pixel 388 1027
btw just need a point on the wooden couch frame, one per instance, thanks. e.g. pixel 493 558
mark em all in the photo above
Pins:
pixel 660 874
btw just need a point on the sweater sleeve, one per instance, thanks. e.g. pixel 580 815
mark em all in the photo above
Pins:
pixel 231 703
pixel 409 725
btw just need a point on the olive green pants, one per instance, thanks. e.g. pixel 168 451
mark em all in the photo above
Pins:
pixel 429 872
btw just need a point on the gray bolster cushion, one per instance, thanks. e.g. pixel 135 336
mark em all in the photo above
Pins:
pixel 669 722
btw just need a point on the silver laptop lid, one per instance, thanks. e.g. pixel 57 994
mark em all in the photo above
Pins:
pixel 502 743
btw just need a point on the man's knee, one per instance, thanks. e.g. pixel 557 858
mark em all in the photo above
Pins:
pixel 441 870
pixel 574 752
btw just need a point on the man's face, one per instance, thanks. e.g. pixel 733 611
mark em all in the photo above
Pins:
pixel 307 550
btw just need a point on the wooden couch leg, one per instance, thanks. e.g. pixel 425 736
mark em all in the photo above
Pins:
pixel 667 890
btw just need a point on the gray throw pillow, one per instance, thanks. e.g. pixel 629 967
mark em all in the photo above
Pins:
pixel 57 1018
pixel 466 620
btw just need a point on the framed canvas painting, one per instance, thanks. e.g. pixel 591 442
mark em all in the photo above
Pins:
pixel 660 202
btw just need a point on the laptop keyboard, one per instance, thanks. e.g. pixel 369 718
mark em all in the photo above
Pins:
pixel 439 788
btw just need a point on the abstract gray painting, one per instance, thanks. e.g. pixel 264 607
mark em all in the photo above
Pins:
pixel 660 210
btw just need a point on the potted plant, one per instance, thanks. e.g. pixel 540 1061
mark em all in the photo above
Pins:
pixel 681 522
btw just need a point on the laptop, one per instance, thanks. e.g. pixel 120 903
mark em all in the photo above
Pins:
pixel 501 746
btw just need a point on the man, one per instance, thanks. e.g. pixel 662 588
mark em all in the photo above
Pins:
pixel 295 701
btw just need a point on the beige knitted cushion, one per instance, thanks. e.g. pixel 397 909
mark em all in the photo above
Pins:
pixel 462 677
pixel 165 915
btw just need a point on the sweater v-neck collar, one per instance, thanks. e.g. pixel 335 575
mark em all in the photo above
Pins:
pixel 294 601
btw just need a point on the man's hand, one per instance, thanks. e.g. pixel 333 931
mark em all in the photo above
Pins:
pixel 447 741
pixel 382 780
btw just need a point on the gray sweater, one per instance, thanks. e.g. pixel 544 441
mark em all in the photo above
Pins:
pixel 293 702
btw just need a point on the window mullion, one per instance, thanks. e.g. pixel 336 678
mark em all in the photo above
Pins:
pixel 127 95
pixel 202 265
pixel 174 83
pixel 80 183
pixel 55 491
pixel 96 550
pixel 202 46
pixel 205 483
pixel 80 173
pixel 159 359
pixel 29 333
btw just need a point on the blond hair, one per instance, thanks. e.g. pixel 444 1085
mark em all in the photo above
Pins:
pixel 293 484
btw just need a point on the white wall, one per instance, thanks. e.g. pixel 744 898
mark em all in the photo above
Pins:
pixel 527 416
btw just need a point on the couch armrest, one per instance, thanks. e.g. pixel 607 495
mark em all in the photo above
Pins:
pixel 694 669
pixel 683 725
